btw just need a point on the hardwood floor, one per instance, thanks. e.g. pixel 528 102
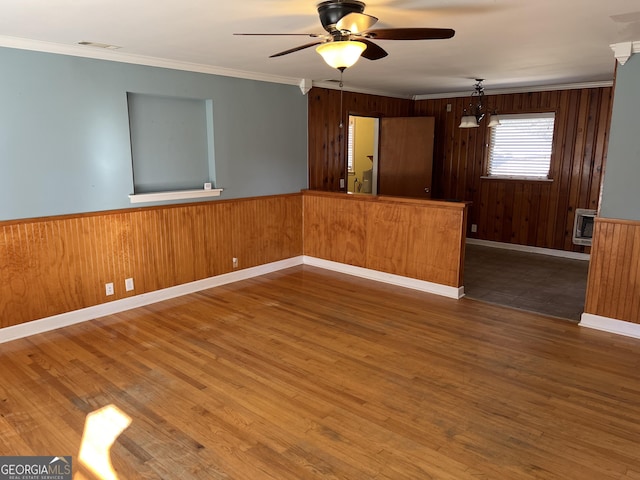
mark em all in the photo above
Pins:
pixel 309 374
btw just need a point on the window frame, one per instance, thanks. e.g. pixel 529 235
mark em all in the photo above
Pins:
pixel 528 178
pixel 351 141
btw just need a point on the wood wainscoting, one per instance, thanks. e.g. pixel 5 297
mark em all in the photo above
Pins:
pixel 613 288
pixel 61 264
pixel 421 239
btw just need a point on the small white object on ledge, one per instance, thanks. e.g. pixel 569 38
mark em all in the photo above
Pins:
pixel 207 186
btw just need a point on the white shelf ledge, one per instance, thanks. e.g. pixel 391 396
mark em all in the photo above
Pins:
pixel 176 195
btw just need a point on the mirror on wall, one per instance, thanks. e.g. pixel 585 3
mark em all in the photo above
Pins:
pixel 362 155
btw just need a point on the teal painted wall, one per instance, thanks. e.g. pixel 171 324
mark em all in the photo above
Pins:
pixel 621 185
pixel 64 132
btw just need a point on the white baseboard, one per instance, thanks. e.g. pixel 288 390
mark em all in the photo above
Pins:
pixel 610 325
pixel 429 287
pixel 526 248
pixel 69 318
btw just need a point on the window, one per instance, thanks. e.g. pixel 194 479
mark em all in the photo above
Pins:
pixel 520 147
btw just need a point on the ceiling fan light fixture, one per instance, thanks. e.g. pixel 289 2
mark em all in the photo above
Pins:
pixel 341 54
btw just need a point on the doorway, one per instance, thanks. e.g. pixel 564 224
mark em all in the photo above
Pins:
pixel 390 156
pixel 362 155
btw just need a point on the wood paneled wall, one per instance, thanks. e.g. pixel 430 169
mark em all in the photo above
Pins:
pixel 613 288
pixel 419 239
pixel 529 213
pixel 327 147
pixel 60 264
pixel 532 213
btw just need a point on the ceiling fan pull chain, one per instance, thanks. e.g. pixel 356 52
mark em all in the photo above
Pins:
pixel 341 85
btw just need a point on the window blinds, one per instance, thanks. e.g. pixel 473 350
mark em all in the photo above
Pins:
pixel 521 145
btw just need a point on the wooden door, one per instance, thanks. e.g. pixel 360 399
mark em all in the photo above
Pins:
pixel 405 160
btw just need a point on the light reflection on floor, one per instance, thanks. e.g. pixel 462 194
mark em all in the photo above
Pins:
pixel 101 429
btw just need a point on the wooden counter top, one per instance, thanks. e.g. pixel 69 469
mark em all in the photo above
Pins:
pixel 456 205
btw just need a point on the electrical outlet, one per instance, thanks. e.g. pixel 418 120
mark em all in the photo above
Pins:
pixel 235 262
pixel 342 183
pixel 108 288
pixel 448 107
pixel 128 284
pixel 474 228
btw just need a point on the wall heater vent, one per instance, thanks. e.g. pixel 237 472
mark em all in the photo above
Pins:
pixel 583 226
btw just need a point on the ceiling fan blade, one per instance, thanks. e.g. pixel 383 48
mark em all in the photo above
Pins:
pixel 410 33
pixel 313 35
pixel 356 22
pixel 291 50
pixel 373 51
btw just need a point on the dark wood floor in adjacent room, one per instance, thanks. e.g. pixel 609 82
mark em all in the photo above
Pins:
pixel 539 283
pixel 310 374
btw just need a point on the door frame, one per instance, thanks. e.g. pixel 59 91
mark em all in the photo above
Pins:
pixel 376 146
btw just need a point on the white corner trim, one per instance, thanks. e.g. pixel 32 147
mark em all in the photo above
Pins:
pixel 526 248
pixel 624 50
pixel 305 85
pixel 175 195
pixel 610 325
pixel 423 286
pixel 77 316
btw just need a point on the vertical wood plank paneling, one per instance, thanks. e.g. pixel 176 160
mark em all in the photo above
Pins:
pixel 613 287
pixel 335 229
pixel 275 231
pixel 60 264
pixel 519 214
pixel 575 174
pixel 327 150
pixel 600 148
pixel 580 143
pixel 218 238
pixel 633 286
pixel 623 239
pixel 412 238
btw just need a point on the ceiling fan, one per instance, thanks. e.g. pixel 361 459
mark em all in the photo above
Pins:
pixel 344 21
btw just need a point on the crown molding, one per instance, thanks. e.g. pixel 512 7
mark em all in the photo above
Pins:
pixel 624 50
pixel 502 91
pixel 334 85
pixel 119 56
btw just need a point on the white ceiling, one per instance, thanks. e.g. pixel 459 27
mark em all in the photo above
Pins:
pixel 510 43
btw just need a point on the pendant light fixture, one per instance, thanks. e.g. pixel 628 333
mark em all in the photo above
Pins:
pixel 472 117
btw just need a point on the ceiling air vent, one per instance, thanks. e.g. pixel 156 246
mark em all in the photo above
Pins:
pixel 106 46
